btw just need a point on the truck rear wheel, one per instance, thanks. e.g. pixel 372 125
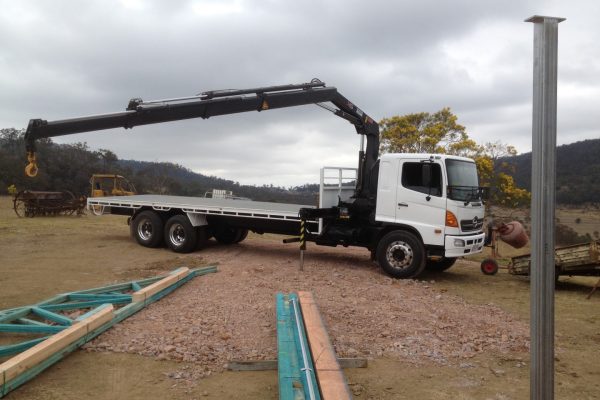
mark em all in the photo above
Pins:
pixel 147 229
pixel 401 254
pixel 243 234
pixel 229 235
pixel 180 235
pixel 440 265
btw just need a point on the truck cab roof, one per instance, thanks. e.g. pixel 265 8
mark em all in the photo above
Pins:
pixel 424 156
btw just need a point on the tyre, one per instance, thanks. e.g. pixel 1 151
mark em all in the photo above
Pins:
pixel 439 265
pixel 147 229
pixel 180 235
pixel 242 235
pixel 226 234
pixel 489 266
pixel 401 254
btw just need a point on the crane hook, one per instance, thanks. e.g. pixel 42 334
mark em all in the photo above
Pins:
pixel 31 169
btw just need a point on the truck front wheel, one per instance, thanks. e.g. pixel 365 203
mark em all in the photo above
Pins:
pixel 147 229
pixel 180 235
pixel 401 254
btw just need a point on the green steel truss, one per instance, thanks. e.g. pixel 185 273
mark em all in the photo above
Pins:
pixel 294 374
pixel 51 316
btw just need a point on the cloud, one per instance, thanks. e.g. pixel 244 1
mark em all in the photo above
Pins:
pixel 64 59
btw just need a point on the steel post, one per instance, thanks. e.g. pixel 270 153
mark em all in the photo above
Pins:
pixel 542 206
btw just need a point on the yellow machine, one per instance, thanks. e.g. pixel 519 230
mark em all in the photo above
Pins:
pixel 110 185
pixel 103 185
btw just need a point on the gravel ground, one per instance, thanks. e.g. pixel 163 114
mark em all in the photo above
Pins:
pixel 230 315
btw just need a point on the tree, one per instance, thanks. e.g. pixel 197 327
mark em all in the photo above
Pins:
pixel 109 159
pixel 441 133
pixel 426 133
pixel 497 174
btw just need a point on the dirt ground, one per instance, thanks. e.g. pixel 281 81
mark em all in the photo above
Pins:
pixel 458 334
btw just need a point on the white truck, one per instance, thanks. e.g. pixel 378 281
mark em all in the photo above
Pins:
pixel 412 211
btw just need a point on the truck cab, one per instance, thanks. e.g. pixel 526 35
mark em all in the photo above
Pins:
pixel 436 195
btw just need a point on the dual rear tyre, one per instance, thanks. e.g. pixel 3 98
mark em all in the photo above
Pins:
pixel 147 229
pixel 177 232
pixel 228 235
pixel 180 235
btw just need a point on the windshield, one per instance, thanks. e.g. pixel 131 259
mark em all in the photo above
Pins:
pixel 463 183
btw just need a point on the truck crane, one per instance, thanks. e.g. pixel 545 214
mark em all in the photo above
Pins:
pixel 411 211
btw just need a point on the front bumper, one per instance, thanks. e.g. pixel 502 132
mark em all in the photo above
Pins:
pixel 458 246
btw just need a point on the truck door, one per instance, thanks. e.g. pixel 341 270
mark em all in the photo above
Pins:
pixel 421 200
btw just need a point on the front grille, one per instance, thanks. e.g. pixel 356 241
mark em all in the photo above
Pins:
pixel 474 224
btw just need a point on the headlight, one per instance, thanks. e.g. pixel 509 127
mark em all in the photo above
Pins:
pixel 459 243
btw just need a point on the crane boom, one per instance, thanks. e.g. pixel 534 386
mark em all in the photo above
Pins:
pixel 215 103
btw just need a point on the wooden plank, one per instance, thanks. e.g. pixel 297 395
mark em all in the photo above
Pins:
pixel 271 365
pixel 36 354
pixel 98 296
pixel 329 373
pixel 258 365
pixel 150 290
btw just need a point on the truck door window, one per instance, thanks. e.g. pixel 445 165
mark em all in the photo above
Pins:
pixel 413 178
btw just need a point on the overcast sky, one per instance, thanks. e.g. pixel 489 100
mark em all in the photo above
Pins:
pixel 61 59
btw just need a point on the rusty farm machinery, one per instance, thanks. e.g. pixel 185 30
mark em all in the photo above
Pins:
pixel 29 203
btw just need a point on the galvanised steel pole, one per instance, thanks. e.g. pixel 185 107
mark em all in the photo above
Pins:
pixel 543 177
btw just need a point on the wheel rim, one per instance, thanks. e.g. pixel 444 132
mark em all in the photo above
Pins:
pixel 144 229
pixel 20 209
pixel 177 234
pixel 399 255
pixel 489 267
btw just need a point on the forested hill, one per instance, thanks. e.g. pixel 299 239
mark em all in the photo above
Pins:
pixel 69 167
pixel 577 172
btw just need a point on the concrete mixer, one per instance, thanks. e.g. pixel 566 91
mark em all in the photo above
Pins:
pixel 511 233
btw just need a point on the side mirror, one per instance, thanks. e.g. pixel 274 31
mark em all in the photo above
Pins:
pixel 426 175
pixel 485 193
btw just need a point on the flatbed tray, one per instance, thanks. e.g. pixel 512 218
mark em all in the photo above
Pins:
pixel 202 205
